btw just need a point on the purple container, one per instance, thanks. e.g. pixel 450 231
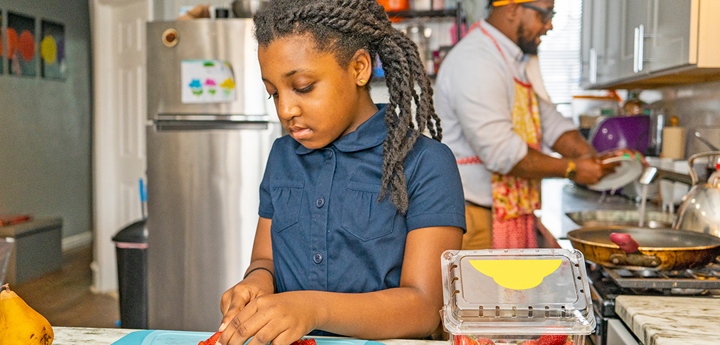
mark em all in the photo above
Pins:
pixel 622 132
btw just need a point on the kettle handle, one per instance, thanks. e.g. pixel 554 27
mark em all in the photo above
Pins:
pixel 693 175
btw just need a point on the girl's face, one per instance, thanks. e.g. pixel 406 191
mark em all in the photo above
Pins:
pixel 317 100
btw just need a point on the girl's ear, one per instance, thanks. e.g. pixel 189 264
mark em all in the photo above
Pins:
pixel 361 67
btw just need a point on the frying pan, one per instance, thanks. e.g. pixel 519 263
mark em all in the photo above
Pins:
pixel 659 249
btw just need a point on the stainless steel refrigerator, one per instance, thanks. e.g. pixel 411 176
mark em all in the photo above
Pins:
pixel 208 137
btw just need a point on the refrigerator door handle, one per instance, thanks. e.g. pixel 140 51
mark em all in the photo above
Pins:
pixel 162 126
pixel 208 117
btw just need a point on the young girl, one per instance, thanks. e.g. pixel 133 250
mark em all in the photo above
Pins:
pixel 333 254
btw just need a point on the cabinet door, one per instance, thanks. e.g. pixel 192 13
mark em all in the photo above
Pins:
pixel 585 44
pixel 671 34
pixel 635 20
pixel 610 64
pixel 594 24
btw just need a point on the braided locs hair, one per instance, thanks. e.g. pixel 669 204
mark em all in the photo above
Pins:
pixel 345 26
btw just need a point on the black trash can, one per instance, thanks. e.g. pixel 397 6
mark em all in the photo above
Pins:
pixel 131 250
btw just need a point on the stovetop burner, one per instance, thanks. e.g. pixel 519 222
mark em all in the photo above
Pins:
pixel 607 284
pixel 705 278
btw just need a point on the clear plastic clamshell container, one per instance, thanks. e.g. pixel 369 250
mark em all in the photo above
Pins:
pixel 516 296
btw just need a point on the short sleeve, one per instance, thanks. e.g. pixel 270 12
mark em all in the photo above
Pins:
pixel 435 189
pixel 266 209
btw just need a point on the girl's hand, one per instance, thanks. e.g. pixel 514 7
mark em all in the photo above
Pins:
pixel 277 318
pixel 258 283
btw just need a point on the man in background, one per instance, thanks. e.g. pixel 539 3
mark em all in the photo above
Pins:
pixel 496 117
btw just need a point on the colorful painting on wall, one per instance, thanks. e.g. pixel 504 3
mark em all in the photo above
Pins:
pixel 52 50
pixel 21 45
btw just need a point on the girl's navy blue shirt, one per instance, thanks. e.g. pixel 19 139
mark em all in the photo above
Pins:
pixel 329 232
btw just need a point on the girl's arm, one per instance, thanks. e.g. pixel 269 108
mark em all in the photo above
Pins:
pixel 409 311
pixel 259 277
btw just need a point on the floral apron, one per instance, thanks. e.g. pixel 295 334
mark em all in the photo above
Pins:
pixel 515 198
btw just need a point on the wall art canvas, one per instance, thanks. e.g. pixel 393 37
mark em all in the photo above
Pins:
pixel 52 50
pixel 21 45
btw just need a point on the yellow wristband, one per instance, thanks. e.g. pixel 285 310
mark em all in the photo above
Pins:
pixel 570 171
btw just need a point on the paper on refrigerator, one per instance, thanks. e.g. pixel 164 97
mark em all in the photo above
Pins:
pixel 207 81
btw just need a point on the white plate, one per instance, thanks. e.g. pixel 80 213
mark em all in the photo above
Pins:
pixel 629 170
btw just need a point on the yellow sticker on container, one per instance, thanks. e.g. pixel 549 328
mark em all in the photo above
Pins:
pixel 517 274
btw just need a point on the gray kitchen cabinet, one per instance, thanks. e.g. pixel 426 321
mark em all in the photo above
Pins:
pixel 650 43
pixel 613 50
pixel 636 16
pixel 671 34
pixel 593 41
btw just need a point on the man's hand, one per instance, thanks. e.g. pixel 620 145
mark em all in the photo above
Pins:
pixel 589 170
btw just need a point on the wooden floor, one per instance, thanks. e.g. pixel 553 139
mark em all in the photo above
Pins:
pixel 64 297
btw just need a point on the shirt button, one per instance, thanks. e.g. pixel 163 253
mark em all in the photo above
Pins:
pixel 317 258
pixel 320 202
pixel 330 155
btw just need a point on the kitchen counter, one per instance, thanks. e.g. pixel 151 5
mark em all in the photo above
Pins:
pixel 106 336
pixel 671 320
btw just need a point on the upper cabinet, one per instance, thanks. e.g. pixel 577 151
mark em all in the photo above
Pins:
pixel 649 43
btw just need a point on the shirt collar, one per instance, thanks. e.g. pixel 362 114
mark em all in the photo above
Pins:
pixel 369 134
pixel 510 49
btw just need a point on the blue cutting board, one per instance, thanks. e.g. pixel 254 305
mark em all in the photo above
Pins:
pixel 192 338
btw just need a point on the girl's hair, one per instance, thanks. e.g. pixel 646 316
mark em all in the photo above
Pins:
pixel 343 27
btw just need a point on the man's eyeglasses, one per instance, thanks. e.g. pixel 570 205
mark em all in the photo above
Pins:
pixel 547 13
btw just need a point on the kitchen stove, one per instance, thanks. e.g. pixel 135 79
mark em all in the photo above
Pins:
pixel 606 284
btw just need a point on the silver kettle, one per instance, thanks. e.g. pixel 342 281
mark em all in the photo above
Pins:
pixel 700 209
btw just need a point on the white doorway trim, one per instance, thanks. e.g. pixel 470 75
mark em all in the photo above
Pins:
pixel 108 169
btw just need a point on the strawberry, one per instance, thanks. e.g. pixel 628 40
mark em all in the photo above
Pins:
pixel 569 342
pixel 212 340
pixel 484 341
pixel 463 340
pixel 304 341
pixel 552 339
pixel 529 342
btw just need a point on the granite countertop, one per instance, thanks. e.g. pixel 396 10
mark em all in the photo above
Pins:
pixel 671 320
pixel 106 336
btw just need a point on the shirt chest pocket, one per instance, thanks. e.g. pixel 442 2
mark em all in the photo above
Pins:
pixel 363 216
pixel 286 198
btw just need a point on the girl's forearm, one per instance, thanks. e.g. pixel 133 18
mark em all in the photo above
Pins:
pixel 404 312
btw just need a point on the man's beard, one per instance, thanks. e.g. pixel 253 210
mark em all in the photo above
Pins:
pixel 527 46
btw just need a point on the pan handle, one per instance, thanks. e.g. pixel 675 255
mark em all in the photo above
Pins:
pixel 632 256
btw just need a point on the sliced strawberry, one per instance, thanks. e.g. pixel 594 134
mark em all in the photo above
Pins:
pixel 552 339
pixel 463 340
pixel 569 342
pixel 212 340
pixel 529 342
pixel 304 341
pixel 484 341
